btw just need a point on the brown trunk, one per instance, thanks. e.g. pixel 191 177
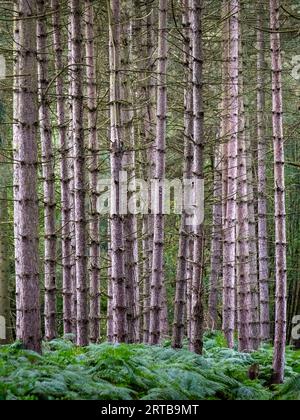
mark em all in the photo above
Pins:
pixel 216 243
pixel 182 265
pixel 196 329
pixel 117 222
pixel 16 165
pixel 48 174
pixel 27 275
pixel 280 211
pixel 229 252
pixel 242 232
pixel 157 275
pixel 263 260
pixel 149 119
pixel 93 164
pixel 79 175
pixel 64 171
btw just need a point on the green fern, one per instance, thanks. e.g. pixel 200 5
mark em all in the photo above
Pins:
pixel 125 372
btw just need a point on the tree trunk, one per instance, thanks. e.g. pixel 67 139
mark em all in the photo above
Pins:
pixel 149 119
pixel 185 234
pixel 16 166
pixel 64 171
pixel 242 249
pixel 196 329
pixel 229 253
pixel 157 275
pixel 164 317
pixel 27 218
pixel 263 260
pixel 130 220
pixel 110 304
pixel 216 242
pixel 94 224
pixel 48 173
pixel 117 151
pixel 280 211
pixel 79 174
pixel 70 167
pixel 254 286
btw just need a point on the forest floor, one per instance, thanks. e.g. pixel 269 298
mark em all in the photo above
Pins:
pixel 130 372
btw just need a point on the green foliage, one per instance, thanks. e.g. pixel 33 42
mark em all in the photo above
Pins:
pixel 123 372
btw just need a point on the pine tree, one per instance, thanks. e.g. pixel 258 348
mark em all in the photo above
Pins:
pixel 280 211
pixel 157 275
pixel 27 275
pixel 79 173
pixel 48 173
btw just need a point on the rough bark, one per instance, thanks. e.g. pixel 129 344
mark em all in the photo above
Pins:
pixel 79 174
pixel 229 252
pixel 117 151
pixel 110 311
pixel 27 207
pixel 128 135
pixel 71 192
pixel 47 173
pixel 64 172
pixel 157 274
pixel 182 265
pixel 280 210
pixel 149 96
pixel 242 249
pixel 216 242
pixel 196 329
pixel 254 286
pixel 16 164
pixel 263 259
pixel 93 166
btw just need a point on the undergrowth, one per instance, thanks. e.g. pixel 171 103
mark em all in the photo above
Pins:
pixel 123 372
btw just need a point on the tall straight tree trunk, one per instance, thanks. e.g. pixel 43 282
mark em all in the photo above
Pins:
pixel 149 95
pixel 196 329
pixel 70 167
pixel 164 317
pixel 216 242
pixel 242 248
pixel 280 210
pixel 224 123
pixel 157 275
pixel 263 260
pixel 254 286
pixel 48 173
pixel 110 307
pixel 79 174
pixel 229 252
pixel 27 207
pixel 16 165
pixel 64 170
pixel 94 224
pixel 130 220
pixel 183 255
pixel 117 151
